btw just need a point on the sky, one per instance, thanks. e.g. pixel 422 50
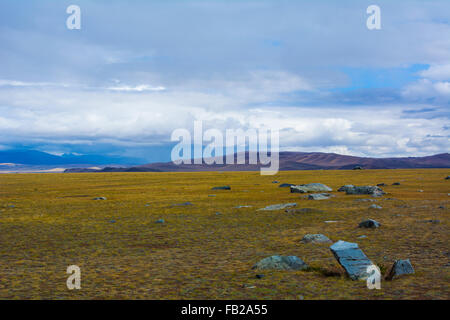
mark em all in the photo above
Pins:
pixel 138 70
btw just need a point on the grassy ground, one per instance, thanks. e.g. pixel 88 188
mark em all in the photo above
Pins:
pixel 198 254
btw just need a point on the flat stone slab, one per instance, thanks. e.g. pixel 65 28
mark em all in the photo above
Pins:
pixel 281 263
pixel 315 238
pixel 310 187
pixel 319 196
pixel 278 207
pixel 346 187
pixel 400 267
pixel 352 259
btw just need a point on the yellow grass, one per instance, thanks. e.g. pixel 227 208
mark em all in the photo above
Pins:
pixel 197 254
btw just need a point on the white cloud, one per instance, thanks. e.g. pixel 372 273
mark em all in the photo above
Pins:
pixel 437 72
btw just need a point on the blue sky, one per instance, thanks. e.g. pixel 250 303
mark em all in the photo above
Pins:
pixel 137 70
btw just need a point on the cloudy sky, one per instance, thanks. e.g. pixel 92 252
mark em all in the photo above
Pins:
pixel 137 70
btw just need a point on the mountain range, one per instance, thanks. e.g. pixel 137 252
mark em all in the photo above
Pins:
pixel 294 161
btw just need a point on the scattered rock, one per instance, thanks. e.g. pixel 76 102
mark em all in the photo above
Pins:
pixel 433 221
pixel 184 204
pixel 275 181
pixel 441 207
pixel 99 198
pixel 310 187
pixel 304 210
pixel 362 236
pixel 369 223
pixel 346 187
pixel 160 221
pixel 331 221
pixel 374 206
pixel 396 184
pixel 381 185
pixel 281 263
pixel 372 190
pixel 365 200
pixel 221 188
pixel 11 206
pixel 278 207
pixel 357 168
pixel 300 297
pixel 400 267
pixel 319 196
pixel 286 185
pixel 218 213
pixel 239 207
pixel 447 178
pixel 315 238
pixel 211 195
pixel 259 276
pixel 352 259
pixel 112 221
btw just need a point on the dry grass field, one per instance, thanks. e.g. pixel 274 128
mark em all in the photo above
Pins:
pixel 198 254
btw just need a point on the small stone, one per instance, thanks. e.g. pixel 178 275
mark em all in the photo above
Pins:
pixel 369 224
pixel 286 185
pixel 381 185
pixel 362 236
pixel 160 221
pixel 303 210
pixel 275 181
pixel 433 221
pixel 400 267
pixel 374 206
pixel 315 238
pixel 259 276
pixel 183 204
pixel 99 198
pixel 211 195
pixel 112 221
pixel 447 178
pixel 278 207
pixel 300 297
pixel 239 207
pixel 365 200
pixel 221 188
pixel 357 168
pixel 281 263
pixel 218 213
pixel 396 184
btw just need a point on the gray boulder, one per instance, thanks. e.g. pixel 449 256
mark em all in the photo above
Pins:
pixel 372 190
pixel 310 187
pixel 319 196
pixel 369 223
pixel 281 263
pixel 400 267
pixel 315 238
pixel 352 259
pixel 278 207
pixel 357 168
pixel 374 206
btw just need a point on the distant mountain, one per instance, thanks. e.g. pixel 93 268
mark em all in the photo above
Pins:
pixel 33 157
pixel 295 161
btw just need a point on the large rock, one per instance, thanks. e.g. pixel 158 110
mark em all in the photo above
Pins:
pixel 310 187
pixel 281 263
pixel 352 259
pixel 319 196
pixel 372 190
pixel 369 223
pixel 315 238
pixel 278 207
pixel 400 267
pixel 447 178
